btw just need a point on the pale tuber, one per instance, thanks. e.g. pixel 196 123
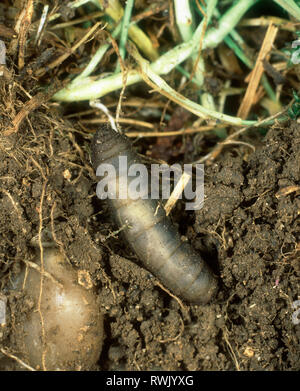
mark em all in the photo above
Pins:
pixel 64 329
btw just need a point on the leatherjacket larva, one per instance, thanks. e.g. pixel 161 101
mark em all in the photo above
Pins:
pixel 148 230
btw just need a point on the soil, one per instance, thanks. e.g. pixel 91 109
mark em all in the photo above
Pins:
pixel 248 230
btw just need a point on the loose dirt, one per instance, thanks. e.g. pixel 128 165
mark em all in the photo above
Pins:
pixel 248 230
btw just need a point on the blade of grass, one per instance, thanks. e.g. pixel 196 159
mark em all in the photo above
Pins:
pixel 184 19
pixel 289 6
pixel 91 89
pixel 97 57
pixel 238 51
pixel 207 101
pixel 265 20
pixel 124 31
pixel 199 65
pixel 156 82
pixel 228 22
pixel 184 22
pixel 115 11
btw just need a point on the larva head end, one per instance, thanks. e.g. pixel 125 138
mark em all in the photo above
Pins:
pixel 106 144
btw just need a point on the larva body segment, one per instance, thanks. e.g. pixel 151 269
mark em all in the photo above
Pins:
pixel 150 232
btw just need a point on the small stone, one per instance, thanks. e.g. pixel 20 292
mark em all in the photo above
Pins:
pixel 84 279
pixel 67 174
pixel 248 352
